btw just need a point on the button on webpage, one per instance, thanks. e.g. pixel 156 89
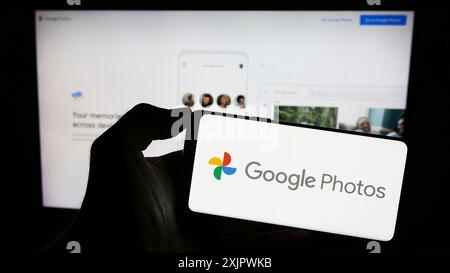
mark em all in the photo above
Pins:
pixel 383 20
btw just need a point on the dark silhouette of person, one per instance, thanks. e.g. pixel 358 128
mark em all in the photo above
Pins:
pixel 138 204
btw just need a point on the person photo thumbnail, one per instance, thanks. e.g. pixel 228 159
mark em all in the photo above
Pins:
pixel 240 100
pixel 223 101
pixel 206 100
pixel 379 121
pixel 188 99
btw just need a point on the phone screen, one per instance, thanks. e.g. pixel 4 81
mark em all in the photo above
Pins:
pixel 297 176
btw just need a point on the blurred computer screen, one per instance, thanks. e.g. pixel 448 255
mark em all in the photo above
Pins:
pixel 341 69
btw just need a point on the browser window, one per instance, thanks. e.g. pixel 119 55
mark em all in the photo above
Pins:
pixel 340 69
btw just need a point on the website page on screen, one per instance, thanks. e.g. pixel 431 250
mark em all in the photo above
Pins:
pixel 340 69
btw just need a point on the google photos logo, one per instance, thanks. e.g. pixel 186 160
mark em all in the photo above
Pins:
pixel 222 166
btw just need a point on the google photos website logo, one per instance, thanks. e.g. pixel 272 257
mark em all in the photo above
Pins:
pixel 222 165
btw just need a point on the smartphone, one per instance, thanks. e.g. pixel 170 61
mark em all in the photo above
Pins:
pixel 295 175
pixel 205 79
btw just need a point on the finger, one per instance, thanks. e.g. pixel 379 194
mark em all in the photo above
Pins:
pixel 145 122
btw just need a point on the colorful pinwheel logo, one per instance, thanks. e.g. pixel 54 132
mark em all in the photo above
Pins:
pixel 222 166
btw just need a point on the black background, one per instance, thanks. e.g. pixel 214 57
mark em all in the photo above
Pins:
pixel 27 226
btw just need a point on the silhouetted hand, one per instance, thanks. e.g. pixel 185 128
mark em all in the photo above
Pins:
pixel 129 203
pixel 139 204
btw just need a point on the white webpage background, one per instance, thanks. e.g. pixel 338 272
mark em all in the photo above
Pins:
pixel 121 58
